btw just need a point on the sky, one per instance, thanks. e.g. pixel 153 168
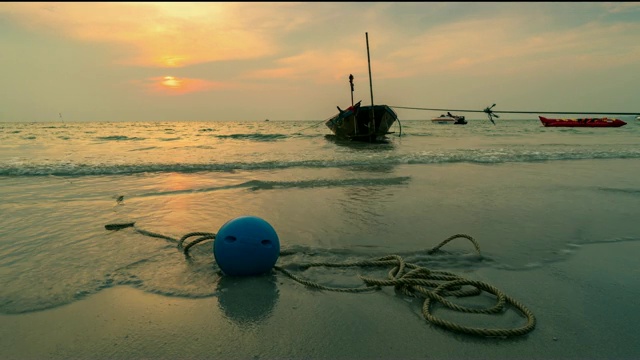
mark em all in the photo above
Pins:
pixel 243 61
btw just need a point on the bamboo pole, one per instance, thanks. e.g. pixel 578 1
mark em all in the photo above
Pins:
pixel 373 118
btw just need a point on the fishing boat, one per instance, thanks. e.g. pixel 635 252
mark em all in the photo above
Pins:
pixel 370 123
pixel 363 123
pixel 582 122
pixel 448 118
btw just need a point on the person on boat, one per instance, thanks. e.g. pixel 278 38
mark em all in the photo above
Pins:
pixel 449 114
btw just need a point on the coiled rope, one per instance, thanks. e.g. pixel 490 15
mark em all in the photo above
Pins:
pixel 407 278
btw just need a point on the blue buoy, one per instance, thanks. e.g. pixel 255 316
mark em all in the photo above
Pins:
pixel 245 246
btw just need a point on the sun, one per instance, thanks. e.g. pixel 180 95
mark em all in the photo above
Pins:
pixel 176 85
pixel 171 82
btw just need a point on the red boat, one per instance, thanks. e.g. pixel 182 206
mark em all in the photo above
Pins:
pixel 584 122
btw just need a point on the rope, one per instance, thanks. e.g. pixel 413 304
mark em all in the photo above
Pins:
pixel 204 236
pixel 314 125
pixel 431 109
pixel 452 237
pixel 520 112
pixel 407 278
pixel 399 124
pixel 198 241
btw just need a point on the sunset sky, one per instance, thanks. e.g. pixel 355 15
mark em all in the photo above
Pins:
pixel 291 61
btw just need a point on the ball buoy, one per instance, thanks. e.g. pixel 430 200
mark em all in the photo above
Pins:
pixel 246 246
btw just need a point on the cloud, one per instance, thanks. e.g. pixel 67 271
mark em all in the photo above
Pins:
pixel 304 52
pixel 504 45
pixel 313 65
pixel 150 34
pixel 621 7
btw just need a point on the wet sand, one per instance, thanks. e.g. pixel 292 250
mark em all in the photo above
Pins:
pixel 585 307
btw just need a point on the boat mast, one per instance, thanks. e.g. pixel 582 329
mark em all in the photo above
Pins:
pixel 373 118
pixel 351 82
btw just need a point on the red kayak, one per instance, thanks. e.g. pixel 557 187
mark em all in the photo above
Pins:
pixel 584 122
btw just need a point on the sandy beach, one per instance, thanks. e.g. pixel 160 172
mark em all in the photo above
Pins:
pixel 582 306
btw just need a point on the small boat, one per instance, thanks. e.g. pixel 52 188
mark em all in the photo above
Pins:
pixel 582 122
pixel 363 123
pixel 448 118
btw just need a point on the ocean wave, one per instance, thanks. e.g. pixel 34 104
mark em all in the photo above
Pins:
pixel 118 138
pixel 257 185
pixel 254 137
pixel 480 156
pixel 635 192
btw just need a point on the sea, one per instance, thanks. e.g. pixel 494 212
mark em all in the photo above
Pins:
pixel 528 195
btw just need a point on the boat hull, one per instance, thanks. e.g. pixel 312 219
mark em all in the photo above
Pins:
pixel 455 120
pixel 443 121
pixel 583 122
pixel 356 123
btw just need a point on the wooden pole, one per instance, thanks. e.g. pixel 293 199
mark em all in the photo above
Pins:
pixel 372 125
